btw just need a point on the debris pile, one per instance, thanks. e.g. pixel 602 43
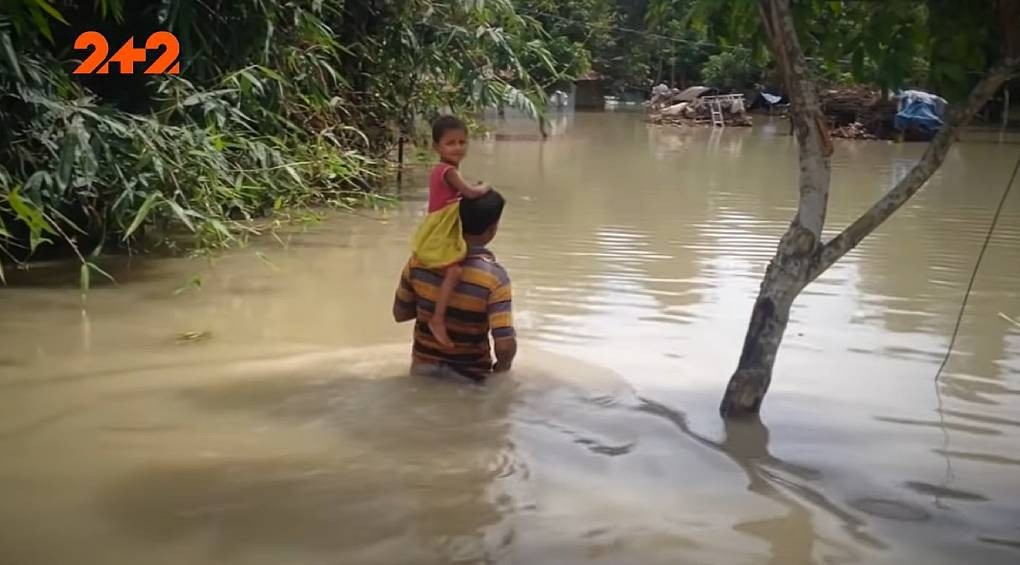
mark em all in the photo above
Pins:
pixel 860 113
pixel 856 113
pixel 854 130
pixel 693 106
pixel 846 105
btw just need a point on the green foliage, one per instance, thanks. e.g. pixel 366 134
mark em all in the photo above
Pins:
pixel 301 109
pixel 880 42
pixel 305 106
pixel 205 162
pixel 964 35
pixel 729 70
pixel 432 55
pixel 33 14
pixel 580 32
pixel 643 42
pixel 942 45
pixel 655 41
pixel 729 24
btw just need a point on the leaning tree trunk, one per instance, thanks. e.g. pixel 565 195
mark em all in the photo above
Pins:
pixel 801 256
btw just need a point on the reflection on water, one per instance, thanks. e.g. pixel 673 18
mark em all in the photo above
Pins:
pixel 290 434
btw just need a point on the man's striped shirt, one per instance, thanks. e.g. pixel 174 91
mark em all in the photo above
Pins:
pixel 479 304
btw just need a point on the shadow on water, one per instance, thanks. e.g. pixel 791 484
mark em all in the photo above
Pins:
pixel 792 537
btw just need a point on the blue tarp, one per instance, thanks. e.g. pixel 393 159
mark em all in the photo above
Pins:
pixel 920 110
pixel 771 98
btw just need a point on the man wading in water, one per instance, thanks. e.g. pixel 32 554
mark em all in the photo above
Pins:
pixel 480 303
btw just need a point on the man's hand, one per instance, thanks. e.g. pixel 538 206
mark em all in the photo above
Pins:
pixel 506 350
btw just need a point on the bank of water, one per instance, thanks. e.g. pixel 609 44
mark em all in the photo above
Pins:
pixel 285 429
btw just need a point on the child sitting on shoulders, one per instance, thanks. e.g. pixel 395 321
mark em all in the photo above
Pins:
pixel 439 241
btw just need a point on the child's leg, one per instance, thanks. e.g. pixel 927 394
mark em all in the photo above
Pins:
pixel 437 324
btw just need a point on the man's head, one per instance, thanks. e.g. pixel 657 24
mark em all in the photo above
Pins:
pixel 449 138
pixel 479 217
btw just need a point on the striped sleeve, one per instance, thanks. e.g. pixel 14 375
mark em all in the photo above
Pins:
pixel 501 321
pixel 405 298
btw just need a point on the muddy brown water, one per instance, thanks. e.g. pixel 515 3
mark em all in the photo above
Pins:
pixel 288 431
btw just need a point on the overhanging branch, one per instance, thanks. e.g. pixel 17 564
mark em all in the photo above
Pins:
pixel 920 173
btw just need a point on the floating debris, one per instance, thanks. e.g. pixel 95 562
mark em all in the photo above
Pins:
pixel 193 337
pixel 1010 320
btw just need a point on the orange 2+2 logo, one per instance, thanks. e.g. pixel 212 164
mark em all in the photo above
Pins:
pixel 128 55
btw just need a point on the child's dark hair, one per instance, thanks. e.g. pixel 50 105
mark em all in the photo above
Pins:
pixel 444 124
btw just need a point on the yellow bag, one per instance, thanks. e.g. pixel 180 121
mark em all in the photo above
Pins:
pixel 439 240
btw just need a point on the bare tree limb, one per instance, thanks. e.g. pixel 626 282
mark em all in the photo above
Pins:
pixel 920 173
pixel 800 256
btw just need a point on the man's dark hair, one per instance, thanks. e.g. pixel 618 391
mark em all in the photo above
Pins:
pixel 444 124
pixel 479 214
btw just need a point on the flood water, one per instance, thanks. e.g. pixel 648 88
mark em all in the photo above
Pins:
pixel 287 429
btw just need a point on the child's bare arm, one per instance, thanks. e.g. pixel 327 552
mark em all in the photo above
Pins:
pixel 460 185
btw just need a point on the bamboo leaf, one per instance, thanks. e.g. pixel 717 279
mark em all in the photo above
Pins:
pixel 49 9
pixel 41 23
pixel 85 277
pixel 38 181
pixel 83 280
pixel 29 215
pixel 97 269
pixel 520 101
pixel 11 56
pixel 221 229
pixel 293 173
pixel 143 212
pixel 181 214
pixel 63 218
pixel 68 153
pixel 271 73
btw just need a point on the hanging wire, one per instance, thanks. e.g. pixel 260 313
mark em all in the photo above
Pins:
pixel 645 33
pixel 977 264
pixel 696 43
